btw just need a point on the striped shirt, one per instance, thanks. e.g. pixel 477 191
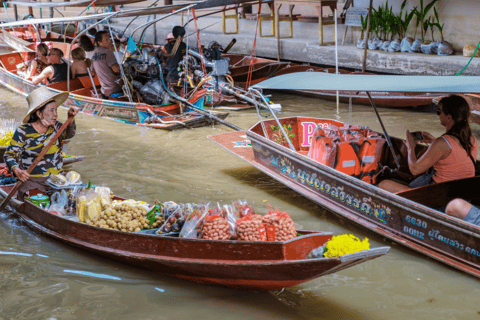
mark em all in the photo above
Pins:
pixel 27 144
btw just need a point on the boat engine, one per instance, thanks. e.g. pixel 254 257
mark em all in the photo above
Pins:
pixel 144 72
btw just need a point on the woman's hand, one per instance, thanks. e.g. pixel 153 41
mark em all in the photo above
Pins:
pixel 22 175
pixel 410 141
pixel 72 112
pixel 427 137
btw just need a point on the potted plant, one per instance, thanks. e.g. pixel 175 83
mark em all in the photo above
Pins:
pixel 444 47
pixel 406 43
pixel 423 23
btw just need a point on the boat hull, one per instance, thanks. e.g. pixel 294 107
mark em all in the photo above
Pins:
pixel 407 222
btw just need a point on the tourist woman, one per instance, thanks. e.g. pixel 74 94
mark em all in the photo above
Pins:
pixel 39 63
pixel 86 44
pixel 39 126
pixel 81 64
pixel 452 156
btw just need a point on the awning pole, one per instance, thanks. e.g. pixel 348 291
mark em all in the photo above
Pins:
pixel 384 130
pixel 366 37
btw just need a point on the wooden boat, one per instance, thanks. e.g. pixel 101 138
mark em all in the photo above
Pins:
pixel 264 70
pixel 82 95
pixel 409 218
pixel 252 266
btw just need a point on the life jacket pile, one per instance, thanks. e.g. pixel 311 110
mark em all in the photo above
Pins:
pixel 353 150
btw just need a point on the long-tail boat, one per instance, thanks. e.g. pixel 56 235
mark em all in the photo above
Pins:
pixel 245 265
pixel 280 148
pixel 84 92
pixel 267 68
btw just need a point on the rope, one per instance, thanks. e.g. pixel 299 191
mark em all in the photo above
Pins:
pixel 204 69
pixel 250 67
pixel 473 55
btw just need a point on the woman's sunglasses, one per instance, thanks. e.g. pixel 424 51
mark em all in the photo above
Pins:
pixel 438 112
pixel 51 54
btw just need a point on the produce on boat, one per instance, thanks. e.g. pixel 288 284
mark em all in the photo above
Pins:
pixel 282 148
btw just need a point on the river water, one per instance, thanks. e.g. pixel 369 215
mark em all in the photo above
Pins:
pixel 41 278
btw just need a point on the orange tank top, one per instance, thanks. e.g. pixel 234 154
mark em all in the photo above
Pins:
pixel 457 165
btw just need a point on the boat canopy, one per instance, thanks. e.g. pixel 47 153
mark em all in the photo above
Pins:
pixel 360 82
pixel 100 16
pixel 78 3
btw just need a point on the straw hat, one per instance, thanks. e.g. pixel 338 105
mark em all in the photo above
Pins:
pixel 170 37
pixel 37 99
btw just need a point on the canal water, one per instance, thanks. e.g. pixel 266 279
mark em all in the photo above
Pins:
pixel 41 278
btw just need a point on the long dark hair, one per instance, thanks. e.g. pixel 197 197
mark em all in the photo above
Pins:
pixel 457 107
pixel 86 44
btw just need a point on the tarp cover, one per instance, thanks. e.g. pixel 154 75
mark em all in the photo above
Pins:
pixel 100 16
pixel 78 3
pixel 358 82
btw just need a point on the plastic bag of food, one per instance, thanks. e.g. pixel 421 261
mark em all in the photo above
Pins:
pixel 104 192
pixel 88 204
pixel 58 179
pixel 251 228
pixel 59 202
pixel 231 216
pixel 215 227
pixel 243 208
pixel 279 225
pixel 195 214
pixel 73 177
pixel 174 219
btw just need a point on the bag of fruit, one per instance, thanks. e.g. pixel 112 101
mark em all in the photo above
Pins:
pixel 194 216
pixel 279 225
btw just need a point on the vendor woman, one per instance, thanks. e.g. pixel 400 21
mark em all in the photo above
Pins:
pixel 39 126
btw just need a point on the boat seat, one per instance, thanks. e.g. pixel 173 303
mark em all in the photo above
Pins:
pixel 10 60
pixel 75 84
pixel 87 82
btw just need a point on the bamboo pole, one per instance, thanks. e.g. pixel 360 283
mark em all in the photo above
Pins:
pixel 366 36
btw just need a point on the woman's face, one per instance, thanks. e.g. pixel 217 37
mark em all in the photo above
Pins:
pixel 445 119
pixel 48 116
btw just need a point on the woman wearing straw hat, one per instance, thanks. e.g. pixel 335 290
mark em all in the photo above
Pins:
pixel 39 126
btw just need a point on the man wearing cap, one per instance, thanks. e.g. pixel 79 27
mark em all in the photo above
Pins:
pixel 39 126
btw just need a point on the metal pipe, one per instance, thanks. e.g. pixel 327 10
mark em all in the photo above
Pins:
pixel 290 144
pixel 125 81
pixel 128 25
pixel 93 82
pixel 148 24
pixel 387 137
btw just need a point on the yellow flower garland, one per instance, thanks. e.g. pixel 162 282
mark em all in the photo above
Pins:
pixel 345 244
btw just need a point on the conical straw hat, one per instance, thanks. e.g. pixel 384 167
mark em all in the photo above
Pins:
pixel 39 97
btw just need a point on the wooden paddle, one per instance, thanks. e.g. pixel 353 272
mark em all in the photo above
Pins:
pixel 37 160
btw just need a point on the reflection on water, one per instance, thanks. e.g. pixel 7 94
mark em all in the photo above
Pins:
pixel 41 278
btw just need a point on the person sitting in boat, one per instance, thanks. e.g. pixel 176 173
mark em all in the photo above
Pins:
pixel 81 64
pixel 172 63
pixel 106 66
pixel 464 210
pixel 39 126
pixel 56 71
pixel 452 156
pixel 86 44
pixel 37 65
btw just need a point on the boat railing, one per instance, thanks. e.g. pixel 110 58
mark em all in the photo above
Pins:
pixel 265 103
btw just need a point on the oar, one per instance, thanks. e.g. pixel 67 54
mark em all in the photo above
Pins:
pixel 37 160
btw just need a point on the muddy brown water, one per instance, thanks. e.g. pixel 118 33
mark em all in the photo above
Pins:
pixel 41 278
